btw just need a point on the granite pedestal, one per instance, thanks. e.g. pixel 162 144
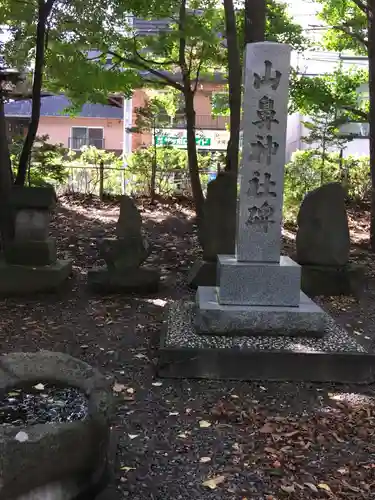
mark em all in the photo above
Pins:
pixel 334 357
pixel 217 319
pixel 258 283
pixel 133 280
pixel 21 280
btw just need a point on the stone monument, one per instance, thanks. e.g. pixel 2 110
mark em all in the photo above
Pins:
pixel 217 229
pixel 257 324
pixel 259 291
pixel 124 256
pixel 323 244
pixel 30 263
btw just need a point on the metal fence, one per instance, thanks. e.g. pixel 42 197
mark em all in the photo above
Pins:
pixel 98 180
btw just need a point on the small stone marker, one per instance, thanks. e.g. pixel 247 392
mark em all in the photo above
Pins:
pixel 124 256
pixel 323 245
pixel 259 290
pixel 30 261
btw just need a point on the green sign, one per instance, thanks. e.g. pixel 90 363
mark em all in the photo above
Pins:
pixel 180 141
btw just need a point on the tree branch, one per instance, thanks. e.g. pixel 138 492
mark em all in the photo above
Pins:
pixel 143 65
pixel 358 112
pixel 353 34
pixel 198 72
pixel 151 61
pixel 361 5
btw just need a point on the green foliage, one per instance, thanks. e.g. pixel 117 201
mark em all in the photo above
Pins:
pixel 92 156
pixel 156 113
pixel 171 165
pixel 325 134
pixel 47 164
pixel 332 93
pixel 306 170
pixel 348 24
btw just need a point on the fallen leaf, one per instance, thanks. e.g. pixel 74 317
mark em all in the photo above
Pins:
pixel 325 487
pixel 39 387
pixel 351 488
pixel 291 434
pixel 213 482
pixel 204 460
pixel 141 356
pixel 287 489
pixel 21 437
pixel 118 387
pixel 203 424
pixel 270 450
pixel 312 487
pixel 340 440
pixel 266 429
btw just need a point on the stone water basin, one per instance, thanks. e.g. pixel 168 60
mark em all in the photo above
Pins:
pixel 54 427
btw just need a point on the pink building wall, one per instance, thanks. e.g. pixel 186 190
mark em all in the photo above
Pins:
pixel 59 129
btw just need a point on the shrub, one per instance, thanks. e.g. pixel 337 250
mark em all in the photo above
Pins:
pixel 307 171
pixel 47 162
pixel 172 168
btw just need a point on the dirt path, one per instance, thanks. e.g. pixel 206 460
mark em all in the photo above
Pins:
pixel 265 441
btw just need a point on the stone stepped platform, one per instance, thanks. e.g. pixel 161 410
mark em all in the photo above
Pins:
pixel 335 357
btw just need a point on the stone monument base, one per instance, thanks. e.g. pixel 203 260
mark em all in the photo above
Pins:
pixel 19 280
pixel 330 280
pixel 214 318
pixel 203 273
pixel 183 353
pixel 137 280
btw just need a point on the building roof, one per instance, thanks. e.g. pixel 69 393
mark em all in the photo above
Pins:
pixel 55 106
pixel 150 27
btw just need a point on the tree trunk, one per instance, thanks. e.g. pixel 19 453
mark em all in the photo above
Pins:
pixel 153 167
pixel 188 91
pixel 196 186
pixel 40 44
pixel 255 20
pixel 371 61
pixel 101 180
pixel 234 81
pixel 6 180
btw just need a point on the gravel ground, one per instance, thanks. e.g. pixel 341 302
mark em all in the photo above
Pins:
pixel 186 439
pixel 41 404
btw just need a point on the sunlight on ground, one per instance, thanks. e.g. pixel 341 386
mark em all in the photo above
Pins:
pixel 156 302
pixel 353 399
pixel 288 234
pixel 105 216
pixel 296 347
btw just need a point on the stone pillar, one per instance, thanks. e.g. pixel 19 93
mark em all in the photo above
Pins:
pixel 31 245
pixel 261 179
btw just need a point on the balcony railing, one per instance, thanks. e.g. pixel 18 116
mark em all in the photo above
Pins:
pixel 201 121
pixel 77 143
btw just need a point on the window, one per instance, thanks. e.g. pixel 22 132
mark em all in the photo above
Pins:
pixel 86 136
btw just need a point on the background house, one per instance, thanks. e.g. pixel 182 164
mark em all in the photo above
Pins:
pixel 96 124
